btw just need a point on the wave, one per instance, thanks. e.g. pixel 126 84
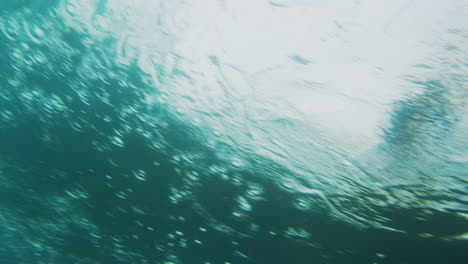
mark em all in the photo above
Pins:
pixel 146 131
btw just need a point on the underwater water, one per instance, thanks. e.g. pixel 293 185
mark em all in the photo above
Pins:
pixel 222 131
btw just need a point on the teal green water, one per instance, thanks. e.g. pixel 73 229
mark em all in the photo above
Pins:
pixel 125 139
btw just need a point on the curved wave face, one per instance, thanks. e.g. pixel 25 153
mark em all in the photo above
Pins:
pixel 221 131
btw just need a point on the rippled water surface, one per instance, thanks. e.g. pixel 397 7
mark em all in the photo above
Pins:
pixel 221 131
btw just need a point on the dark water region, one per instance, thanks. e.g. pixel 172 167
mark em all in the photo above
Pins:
pixel 99 165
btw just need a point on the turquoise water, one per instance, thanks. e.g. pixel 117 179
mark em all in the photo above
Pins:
pixel 233 132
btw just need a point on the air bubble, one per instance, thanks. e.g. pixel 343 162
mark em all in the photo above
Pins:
pixel 426 235
pixel 183 243
pixel 176 158
pixel 217 170
pixel 15 82
pixel 297 232
pixel 244 204
pixel 139 175
pixel 288 184
pixel 236 181
pixel 254 227
pixel 39 57
pixel 255 192
pixel 78 193
pixel 71 8
pixel 236 162
pixel 237 214
pixel 39 32
pixel 25 46
pixel 117 141
pixel 192 175
pixel 6 115
pixel 301 204
pixel 53 104
pixel 122 195
pixel 11 28
pixel 95 235
pixel 34 32
pixel 17 55
pixel 138 210
pixel 77 126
